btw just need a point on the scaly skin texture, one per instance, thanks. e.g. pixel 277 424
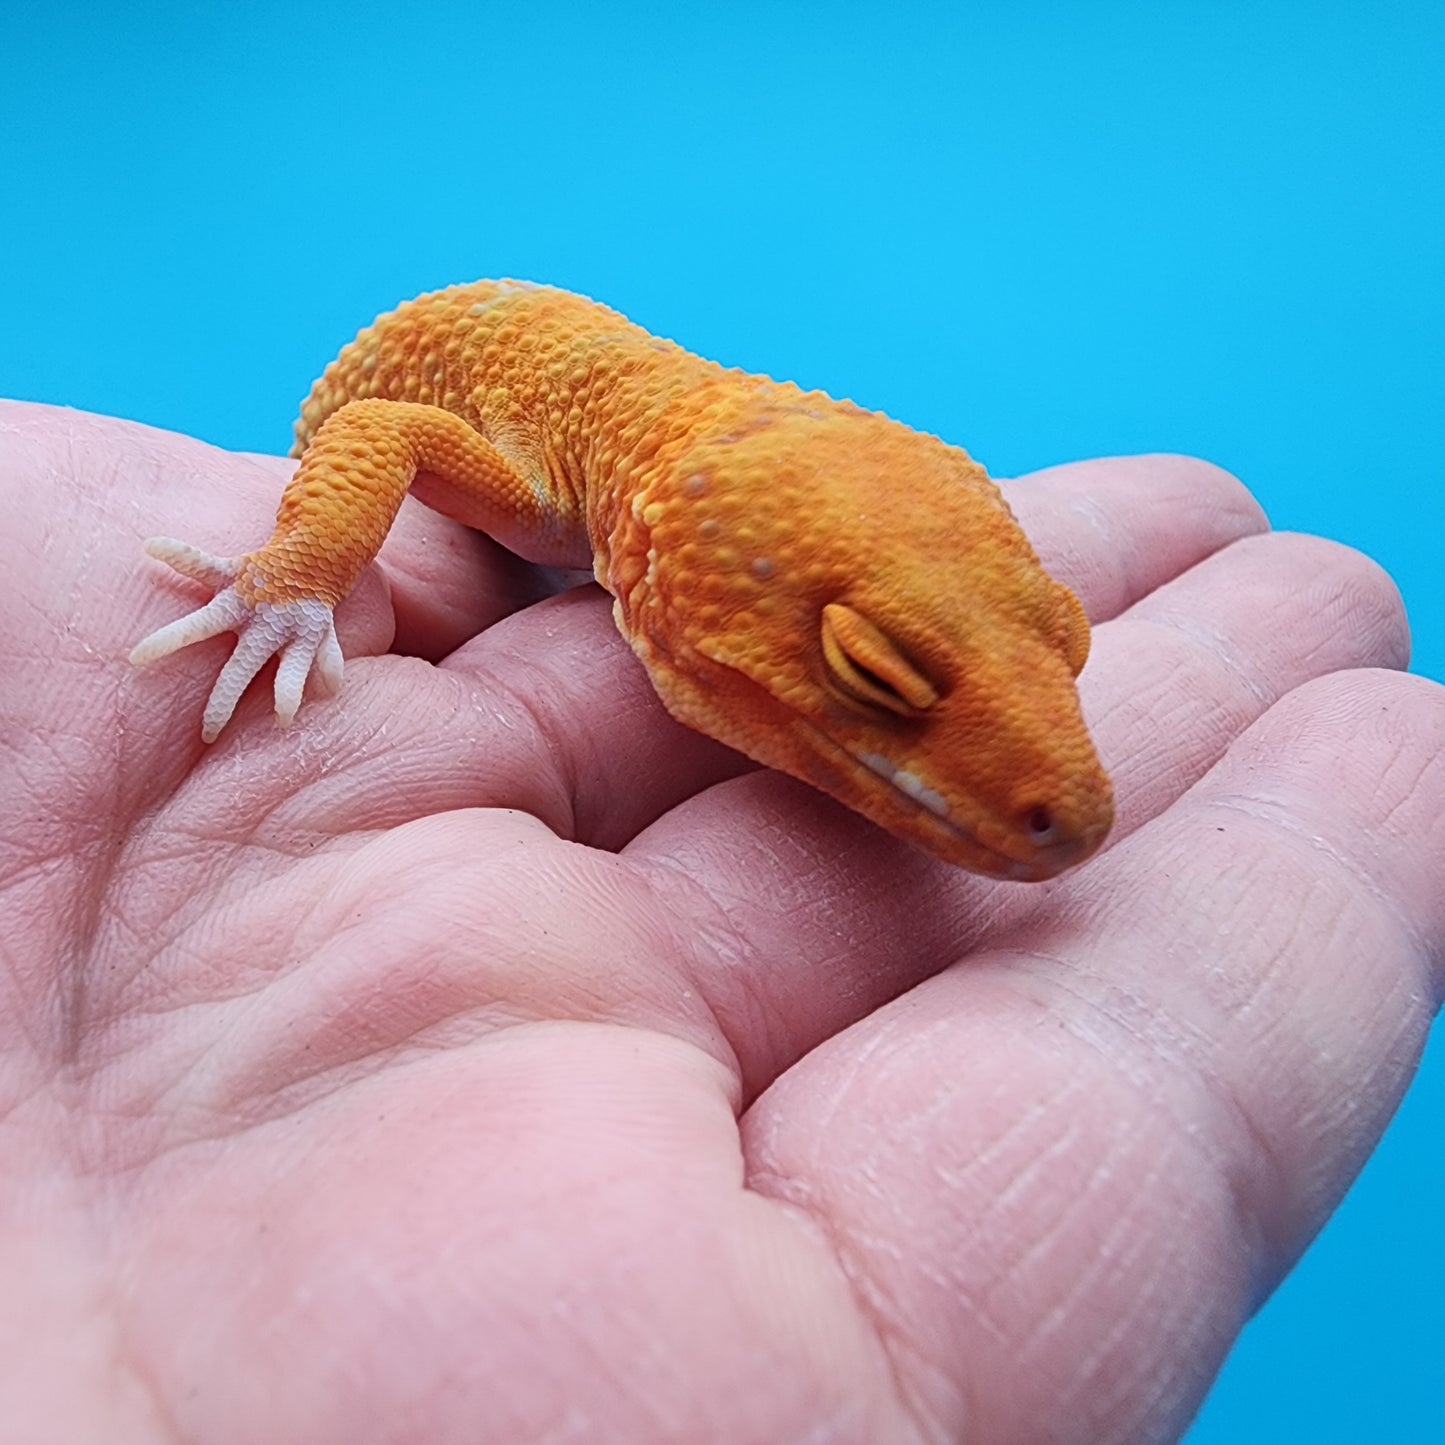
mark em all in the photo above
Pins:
pixel 822 588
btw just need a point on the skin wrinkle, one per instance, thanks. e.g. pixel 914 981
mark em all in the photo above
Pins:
pixel 744 1008
pixel 871 1299
pixel 1349 575
pixel 1393 1065
pixel 1235 706
pixel 1280 819
pixel 1200 1090
pixel 712 920
pixel 1420 777
pixel 868 1296
pixel 271 825
pixel 1153 753
pixel 1162 1395
pixel 88 894
pixel 1080 1382
pixel 316 807
pixel 210 884
pixel 31 1024
pixel 561 767
pixel 951 903
pixel 1211 644
pixel 1253 1210
pixel 1026 1177
pixel 108 1153
pixel 866 1246
pixel 993 1300
pixel 747 1018
pixel 1120 586
pixel 982 1159
pixel 1178 685
pixel 223 889
pixel 1078 1206
pixel 562 774
pixel 229 1124
pixel 1099 1349
pixel 217 1126
pixel 369 1051
pixel 1106 1256
pixel 1371 592
pixel 859 1254
pixel 235 991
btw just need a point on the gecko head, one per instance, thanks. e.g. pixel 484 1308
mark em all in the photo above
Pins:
pixel 976 750
pixel 871 619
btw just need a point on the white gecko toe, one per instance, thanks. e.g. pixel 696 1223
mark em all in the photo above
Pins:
pixel 302 634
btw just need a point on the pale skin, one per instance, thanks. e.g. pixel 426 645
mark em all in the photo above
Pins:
pixel 488 1057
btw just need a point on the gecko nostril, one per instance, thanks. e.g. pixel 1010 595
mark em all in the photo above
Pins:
pixel 1040 825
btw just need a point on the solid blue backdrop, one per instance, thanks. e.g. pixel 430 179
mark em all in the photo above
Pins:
pixel 1044 231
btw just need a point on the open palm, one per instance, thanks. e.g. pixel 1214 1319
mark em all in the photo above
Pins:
pixel 488 1058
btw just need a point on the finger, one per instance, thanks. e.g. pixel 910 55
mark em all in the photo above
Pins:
pixel 1186 669
pixel 600 730
pixel 1325 824
pixel 1170 684
pixel 1116 528
pixel 449 583
pixel 1141 1115
pixel 547 712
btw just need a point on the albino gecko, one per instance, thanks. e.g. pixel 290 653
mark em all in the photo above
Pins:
pixel 820 587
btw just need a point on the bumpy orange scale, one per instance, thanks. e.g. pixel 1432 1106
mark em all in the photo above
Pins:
pixel 822 588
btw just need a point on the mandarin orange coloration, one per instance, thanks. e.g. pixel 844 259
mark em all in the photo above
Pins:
pixel 822 588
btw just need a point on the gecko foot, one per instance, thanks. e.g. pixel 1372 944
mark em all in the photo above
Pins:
pixel 302 634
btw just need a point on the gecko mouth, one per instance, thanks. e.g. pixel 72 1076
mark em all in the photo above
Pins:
pixel 1037 858
pixel 1041 847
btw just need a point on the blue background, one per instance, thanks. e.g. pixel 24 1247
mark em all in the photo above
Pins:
pixel 1046 231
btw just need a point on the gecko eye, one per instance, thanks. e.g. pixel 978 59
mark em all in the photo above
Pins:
pixel 866 667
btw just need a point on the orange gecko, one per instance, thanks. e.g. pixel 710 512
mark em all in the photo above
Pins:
pixel 820 587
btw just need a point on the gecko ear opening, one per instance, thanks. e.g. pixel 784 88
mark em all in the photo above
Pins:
pixel 866 667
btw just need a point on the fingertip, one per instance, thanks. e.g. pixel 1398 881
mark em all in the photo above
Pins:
pixel 1116 528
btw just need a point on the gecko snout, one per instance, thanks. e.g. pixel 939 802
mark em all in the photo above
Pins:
pixel 1057 839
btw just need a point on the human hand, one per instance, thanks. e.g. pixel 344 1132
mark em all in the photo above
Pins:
pixel 490 1058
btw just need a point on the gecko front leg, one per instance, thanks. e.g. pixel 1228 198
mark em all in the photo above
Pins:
pixel 302 633
pixel 334 516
